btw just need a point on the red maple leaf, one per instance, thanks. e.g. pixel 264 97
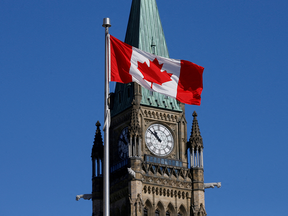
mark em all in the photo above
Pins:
pixel 153 73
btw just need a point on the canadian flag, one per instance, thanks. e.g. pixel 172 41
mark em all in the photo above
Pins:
pixel 178 79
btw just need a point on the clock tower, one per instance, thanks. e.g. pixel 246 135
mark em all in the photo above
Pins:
pixel 150 171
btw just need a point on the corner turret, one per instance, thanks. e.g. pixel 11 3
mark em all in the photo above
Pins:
pixel 97 167
pixel 97 152
pixel 195 145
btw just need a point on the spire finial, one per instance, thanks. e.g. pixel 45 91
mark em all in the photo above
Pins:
pixel 194 114
pixel 98 125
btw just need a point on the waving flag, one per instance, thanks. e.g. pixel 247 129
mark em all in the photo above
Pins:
pixel 178 79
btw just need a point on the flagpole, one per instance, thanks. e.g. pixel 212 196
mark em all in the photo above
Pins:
pixel 106 191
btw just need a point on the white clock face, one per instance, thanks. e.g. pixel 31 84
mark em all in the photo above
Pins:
pixel 123 143
pixel 159 140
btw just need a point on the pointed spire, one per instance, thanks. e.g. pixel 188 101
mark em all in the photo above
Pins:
pixel 145 32
pixel 97 150
pixel 195 137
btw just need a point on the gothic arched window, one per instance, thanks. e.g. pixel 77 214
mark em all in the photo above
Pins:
pixel 167 213
pixel 179 214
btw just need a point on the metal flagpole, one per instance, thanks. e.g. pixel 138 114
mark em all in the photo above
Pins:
pixel 106 192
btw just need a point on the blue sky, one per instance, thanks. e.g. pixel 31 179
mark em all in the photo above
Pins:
pixel 51 93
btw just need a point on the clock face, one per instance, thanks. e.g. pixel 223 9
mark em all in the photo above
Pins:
pixel 123 143
pixel 159 140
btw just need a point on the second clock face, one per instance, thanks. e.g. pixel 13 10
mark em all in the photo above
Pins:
pixel 123 143
pixel 159 140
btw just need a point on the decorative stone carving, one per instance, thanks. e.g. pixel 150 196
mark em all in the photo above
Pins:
pixel 212 185
pixel 84 196
pixel 139 204
pixel 134 127
pixel 160 116
pixel 131 172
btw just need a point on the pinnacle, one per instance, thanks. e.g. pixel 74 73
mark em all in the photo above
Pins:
pixel 98 124
pixel 195 137
pixel 98 143
pixel 194 114
pixel 195 126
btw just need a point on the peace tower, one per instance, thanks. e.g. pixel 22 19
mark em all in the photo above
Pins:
pixel 150 172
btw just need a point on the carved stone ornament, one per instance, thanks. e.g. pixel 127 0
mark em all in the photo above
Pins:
pixel 134 127
pixel 163 116
pixel 139 204
pixel 131 172
pixel 212 185
pixel 84 196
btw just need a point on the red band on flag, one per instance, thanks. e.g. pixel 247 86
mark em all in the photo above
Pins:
pixel 190 84
pixel 120 61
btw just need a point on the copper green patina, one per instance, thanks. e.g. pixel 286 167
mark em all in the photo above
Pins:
pixel 145 32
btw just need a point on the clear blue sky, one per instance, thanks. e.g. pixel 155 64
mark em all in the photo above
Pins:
pixel 51 95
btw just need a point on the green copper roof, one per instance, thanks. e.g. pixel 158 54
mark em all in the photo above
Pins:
pixel 144 27
pixel 145 32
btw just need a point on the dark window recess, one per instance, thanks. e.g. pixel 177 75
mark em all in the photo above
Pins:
pixel 145 212
pixel 157 213
pixel 128 92
pixel 119 97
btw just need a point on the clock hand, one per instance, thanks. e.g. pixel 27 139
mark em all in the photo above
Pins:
pixel 156 135
pixel 123 140
pixel 158 138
